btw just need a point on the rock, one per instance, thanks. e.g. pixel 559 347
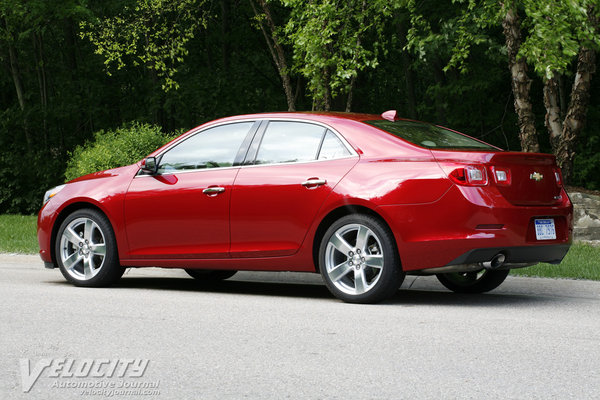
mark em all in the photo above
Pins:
pixel 586 216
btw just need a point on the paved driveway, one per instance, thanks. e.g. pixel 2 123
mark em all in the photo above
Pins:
pixel 282 335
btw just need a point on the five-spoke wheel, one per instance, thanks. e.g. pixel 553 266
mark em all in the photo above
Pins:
pixel 86 250
pixel 358 260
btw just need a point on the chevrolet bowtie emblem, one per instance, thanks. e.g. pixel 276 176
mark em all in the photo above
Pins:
pixel 536 176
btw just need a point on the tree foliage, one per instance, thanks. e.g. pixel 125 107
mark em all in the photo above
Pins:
pixel 330 42
pixel 151 33
pixel 176 64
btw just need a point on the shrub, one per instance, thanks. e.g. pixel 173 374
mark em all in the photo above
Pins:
pixel 111 149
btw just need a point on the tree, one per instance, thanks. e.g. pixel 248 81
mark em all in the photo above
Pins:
pixel 330 46
pixel 563 33
pixel 152 33
pixel 270 33
pixel 552 36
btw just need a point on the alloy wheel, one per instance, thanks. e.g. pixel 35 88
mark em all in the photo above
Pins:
pixel 354 259
pixel 82 248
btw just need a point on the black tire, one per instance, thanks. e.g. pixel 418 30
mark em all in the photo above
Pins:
pixel 370 275
pixel 81 239
pixel 473 282
pixel 210 275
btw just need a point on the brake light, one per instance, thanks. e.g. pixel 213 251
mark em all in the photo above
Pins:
pixel 501 176
pixel 558 176
pixel 471 175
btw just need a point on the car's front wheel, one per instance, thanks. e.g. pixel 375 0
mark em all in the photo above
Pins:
pixel 473 282
pixel 86 249
pixel 358 260
pixel 210 275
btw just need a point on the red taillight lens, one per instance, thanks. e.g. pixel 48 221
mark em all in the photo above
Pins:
pixel 558 176
pixel 471 175
pixel 501 176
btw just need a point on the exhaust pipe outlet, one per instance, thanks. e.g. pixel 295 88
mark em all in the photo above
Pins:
pixel 496 262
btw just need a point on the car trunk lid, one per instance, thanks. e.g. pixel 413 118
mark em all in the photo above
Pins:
pixel 530 177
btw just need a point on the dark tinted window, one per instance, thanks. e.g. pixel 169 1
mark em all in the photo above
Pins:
pixel 332 147
pixel 289 142
pixel 211 148
pixel 429 136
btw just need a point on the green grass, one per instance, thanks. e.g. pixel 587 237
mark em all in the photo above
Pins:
pixel 18 234
pixel 581 262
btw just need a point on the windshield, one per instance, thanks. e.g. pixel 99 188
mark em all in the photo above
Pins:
pixel 430 136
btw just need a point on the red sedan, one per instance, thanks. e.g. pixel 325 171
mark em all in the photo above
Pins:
pixel 362 199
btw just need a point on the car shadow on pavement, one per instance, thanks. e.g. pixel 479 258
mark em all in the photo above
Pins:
pixel 434 297
pixel 228 286
pixel 405 297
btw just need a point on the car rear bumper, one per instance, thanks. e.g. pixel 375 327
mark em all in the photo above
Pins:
pixel 552 254
pixel 471 225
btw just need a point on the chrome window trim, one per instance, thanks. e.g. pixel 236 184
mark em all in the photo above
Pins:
pixel 353 153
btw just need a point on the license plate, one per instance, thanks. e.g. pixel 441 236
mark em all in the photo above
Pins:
pixel 544 229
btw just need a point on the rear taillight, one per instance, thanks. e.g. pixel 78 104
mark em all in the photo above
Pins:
pixel 501 176
pixel 558 176
pixel 471 175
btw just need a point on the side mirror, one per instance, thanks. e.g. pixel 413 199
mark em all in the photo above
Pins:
pixel 149 165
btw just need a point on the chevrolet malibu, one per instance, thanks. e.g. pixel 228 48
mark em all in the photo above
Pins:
pixel 361 199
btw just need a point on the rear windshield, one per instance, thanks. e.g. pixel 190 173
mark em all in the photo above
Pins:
pixel 430 136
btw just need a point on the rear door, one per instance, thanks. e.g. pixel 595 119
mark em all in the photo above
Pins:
pixel 290 170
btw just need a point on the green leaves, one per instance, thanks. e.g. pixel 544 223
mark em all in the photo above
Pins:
pixel 557 31
pixel 329 41
pixel 112 149
pixel 554 31
pixel 152 33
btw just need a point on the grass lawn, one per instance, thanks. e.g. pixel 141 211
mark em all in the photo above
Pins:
pixel 18 235
pixel 581 262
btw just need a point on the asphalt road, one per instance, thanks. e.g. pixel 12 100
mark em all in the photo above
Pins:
pixel 282 335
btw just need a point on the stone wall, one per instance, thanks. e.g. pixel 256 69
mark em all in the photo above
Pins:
pixel 586 216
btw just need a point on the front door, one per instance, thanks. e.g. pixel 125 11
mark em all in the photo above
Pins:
pixel 183 210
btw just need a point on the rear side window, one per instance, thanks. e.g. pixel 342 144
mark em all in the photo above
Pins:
pixel 212 148
pixel 332 147
pixel 285 142
pixel 430 136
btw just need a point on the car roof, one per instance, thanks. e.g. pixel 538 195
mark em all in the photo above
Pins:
pixel 308 115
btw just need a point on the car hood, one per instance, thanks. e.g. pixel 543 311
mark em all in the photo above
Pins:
pixel 108 173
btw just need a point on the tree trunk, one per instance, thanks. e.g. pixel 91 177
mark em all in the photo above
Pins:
pixel 440 80
pixel 16 75
pixel 521 83
pixel 553 120
pixel 225 33
pixel 276 51
pixel 409 76
pixel 564 145
pixel 350 94
pixel 40 68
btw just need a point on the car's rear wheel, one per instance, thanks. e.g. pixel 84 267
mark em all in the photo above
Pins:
pixel 358 260
pixel 473 282
pixel 210 275
pixel 86 249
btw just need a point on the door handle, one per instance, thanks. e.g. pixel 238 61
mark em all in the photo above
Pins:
pixel 314 182
pixel 213 190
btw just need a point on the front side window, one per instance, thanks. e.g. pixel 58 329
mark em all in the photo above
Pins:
pixel 285 142
pixel 212 148
pixel 430 136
